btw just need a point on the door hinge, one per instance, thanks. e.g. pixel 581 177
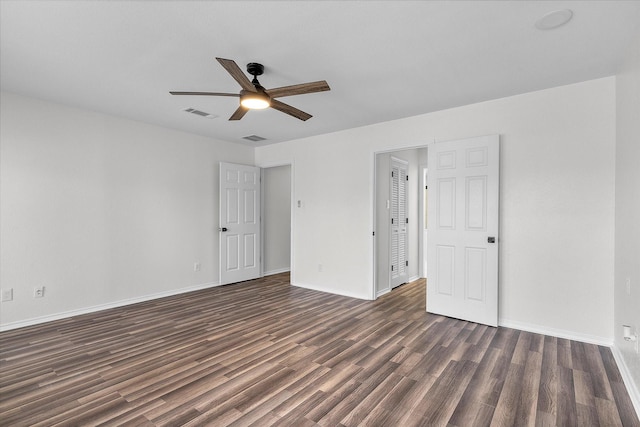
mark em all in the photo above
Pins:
pixel 391 174
pixel 406 263
pixel 374 233
pixel 391 220
pixel 407 177
pixel 426 187
pixel 406 220
pixel 392 268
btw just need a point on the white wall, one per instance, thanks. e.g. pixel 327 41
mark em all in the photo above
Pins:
pixel 627 246
pixel 276 219
pixel 557 203
pixel 102 210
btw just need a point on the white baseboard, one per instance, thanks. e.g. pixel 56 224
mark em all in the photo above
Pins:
pixel 382 292
pixel 277 271
pixel 559 333
pixel 93 309
pixel 327 291
pixel 632 387
pixel 386 291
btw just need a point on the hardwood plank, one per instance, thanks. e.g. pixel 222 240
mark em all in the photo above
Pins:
pixel 607 413
pixel 548 380
pixel 567 413
pixel 447 391
pixel 478 392
pixel 507 405
pixel 623 404
pixel 528 400
pixel 595 366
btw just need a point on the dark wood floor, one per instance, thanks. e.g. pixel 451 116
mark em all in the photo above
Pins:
pixel 267 353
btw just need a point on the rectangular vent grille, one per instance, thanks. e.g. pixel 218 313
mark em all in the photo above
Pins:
pixel 254 138
pixel 200 113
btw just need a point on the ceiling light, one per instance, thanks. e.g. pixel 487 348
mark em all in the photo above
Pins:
pixel 254 100
pixel 554 19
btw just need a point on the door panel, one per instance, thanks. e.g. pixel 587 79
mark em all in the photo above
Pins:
pixel 445 269
pixel 239 223
pixel 463 265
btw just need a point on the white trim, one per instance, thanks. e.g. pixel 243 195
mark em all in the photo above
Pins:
pixel 262 202
pixel 324 290
pixel 276 271
pixel 373 248
pixel 93 309
pixel 290 163
pixel 382 292
pixel 630 385
pixel 421 214
pixel 262 225
pixel 558 333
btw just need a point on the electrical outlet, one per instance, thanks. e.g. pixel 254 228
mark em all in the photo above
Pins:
pixel 196 266
pixel 7 295
pixel 627 285
pixel 38 292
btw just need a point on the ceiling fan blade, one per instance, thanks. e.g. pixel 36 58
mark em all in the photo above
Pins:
pixel 239 113
pixel 205 93
pixel 288 109
pixel 235 71
pixel 319 86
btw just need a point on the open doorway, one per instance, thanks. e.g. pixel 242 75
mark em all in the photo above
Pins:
pixel 276 220
pixel 386 255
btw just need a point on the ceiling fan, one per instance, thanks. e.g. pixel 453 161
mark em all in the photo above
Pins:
pixel 254 96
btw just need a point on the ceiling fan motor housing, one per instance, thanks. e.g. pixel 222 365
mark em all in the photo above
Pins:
pixel 255 69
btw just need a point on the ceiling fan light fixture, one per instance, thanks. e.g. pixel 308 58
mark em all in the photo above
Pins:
pixel 255 100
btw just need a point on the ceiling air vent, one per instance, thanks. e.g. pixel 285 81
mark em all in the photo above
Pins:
pixel 254 138
pixel 200 113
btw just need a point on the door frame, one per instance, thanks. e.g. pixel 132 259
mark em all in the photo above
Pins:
pixel 292 211
pixel 422 249
pixel 374 210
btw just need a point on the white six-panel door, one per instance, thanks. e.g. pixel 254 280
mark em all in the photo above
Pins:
pixel 239 230
pixel 462 251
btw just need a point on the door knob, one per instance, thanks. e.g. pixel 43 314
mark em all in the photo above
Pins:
pixel 223 229
pixel 491 239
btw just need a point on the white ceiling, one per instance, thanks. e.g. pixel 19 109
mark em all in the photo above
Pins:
pixel 384 60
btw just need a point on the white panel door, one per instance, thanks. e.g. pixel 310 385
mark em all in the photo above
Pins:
pixel 399 218
pixel 240 253
pixel 462 251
